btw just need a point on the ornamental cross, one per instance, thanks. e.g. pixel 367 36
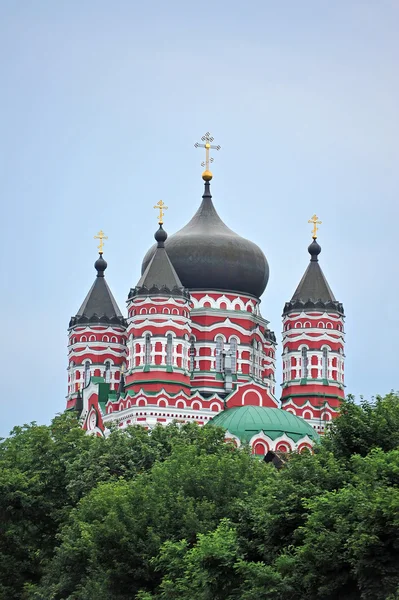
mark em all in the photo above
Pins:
pixel 315 222
pixel 208 139
pixel 100 236
pixel 161 207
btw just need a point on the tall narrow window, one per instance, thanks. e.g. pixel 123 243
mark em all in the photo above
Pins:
pixel 219 353
pixel 192 353
pixel 169 349
pixel 325 364
pixel 147 350
pixel 233 352
pixel 255 370
pixel 87 372
pixel 107 372
pixel 304 363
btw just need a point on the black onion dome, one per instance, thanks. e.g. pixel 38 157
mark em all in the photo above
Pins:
pixel 208 255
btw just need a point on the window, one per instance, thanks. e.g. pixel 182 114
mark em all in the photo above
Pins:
pixel 192 353
pixel 304 363
pixel 233 352
pixel 219 353
pixel 255 359
pixel 147 350
pixel 325 364
pixel 169 349
pixel 87 372
pixel 107 372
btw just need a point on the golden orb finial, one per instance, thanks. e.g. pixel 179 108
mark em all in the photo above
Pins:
pixel 208 139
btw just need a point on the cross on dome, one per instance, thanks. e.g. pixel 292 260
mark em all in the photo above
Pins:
pixel 100 236
pixel 161 206
pixel 314 220
pixel 208 139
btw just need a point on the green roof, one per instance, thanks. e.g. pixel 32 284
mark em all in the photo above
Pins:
pixel 245 421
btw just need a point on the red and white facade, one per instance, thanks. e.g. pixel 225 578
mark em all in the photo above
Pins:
pixel 313 364
pixel 95 351
pixel 188 354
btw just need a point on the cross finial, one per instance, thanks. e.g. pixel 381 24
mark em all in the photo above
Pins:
pixel 100 236
pixel 208 139
pixel 314 220
pixel 161 207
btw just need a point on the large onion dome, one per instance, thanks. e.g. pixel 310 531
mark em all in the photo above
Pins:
pixel 207 255
pixel 246 421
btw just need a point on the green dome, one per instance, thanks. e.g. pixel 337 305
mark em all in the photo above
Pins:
pixel 245 421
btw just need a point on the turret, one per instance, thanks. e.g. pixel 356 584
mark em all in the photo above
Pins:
pixel 313 346
pixel 158 327
pixel 97 336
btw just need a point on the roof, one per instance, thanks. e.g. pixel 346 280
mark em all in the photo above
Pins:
pixel 159 277
pixel 208 255
pixel 313 291
pixel 313 286
pixel 160 272
pixel 99 306
pixel 246 421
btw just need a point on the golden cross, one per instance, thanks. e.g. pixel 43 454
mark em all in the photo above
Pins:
pixel 315 222
pixel 161 207
pixel 100 236
pixel 208 139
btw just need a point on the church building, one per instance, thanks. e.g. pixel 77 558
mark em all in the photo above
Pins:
pixel 194 345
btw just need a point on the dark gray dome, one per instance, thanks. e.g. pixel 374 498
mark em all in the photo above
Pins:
pixel 207 255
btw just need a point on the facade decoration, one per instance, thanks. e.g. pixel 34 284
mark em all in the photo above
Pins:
pixel 195 347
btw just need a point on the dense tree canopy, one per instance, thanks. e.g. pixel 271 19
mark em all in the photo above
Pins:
pixel 179 514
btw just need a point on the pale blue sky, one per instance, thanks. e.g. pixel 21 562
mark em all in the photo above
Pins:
pixel 100 106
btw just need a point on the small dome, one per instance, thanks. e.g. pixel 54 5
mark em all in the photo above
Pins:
pixel 160 236
pixel 314 249
pixel 100 265
pixel 207 255
pixel 246 421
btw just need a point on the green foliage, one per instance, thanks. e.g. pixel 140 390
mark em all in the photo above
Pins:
pixel 365 426
pixel 178 513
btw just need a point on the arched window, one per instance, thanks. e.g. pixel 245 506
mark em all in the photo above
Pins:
pixel 304 363
pixel 87 372
pixel 233 352
pixel 169 349
pixel 107 372
pixel 219 353
pixel 325 364
pixel 147 350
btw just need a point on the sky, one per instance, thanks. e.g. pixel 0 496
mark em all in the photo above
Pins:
pixel 100 106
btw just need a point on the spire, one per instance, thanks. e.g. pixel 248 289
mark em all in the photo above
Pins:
pixel 313 285
pixel 313 290
pixel 160 275
pixel 99 306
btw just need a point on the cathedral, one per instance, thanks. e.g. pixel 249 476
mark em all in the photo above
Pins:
pixel 194 345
